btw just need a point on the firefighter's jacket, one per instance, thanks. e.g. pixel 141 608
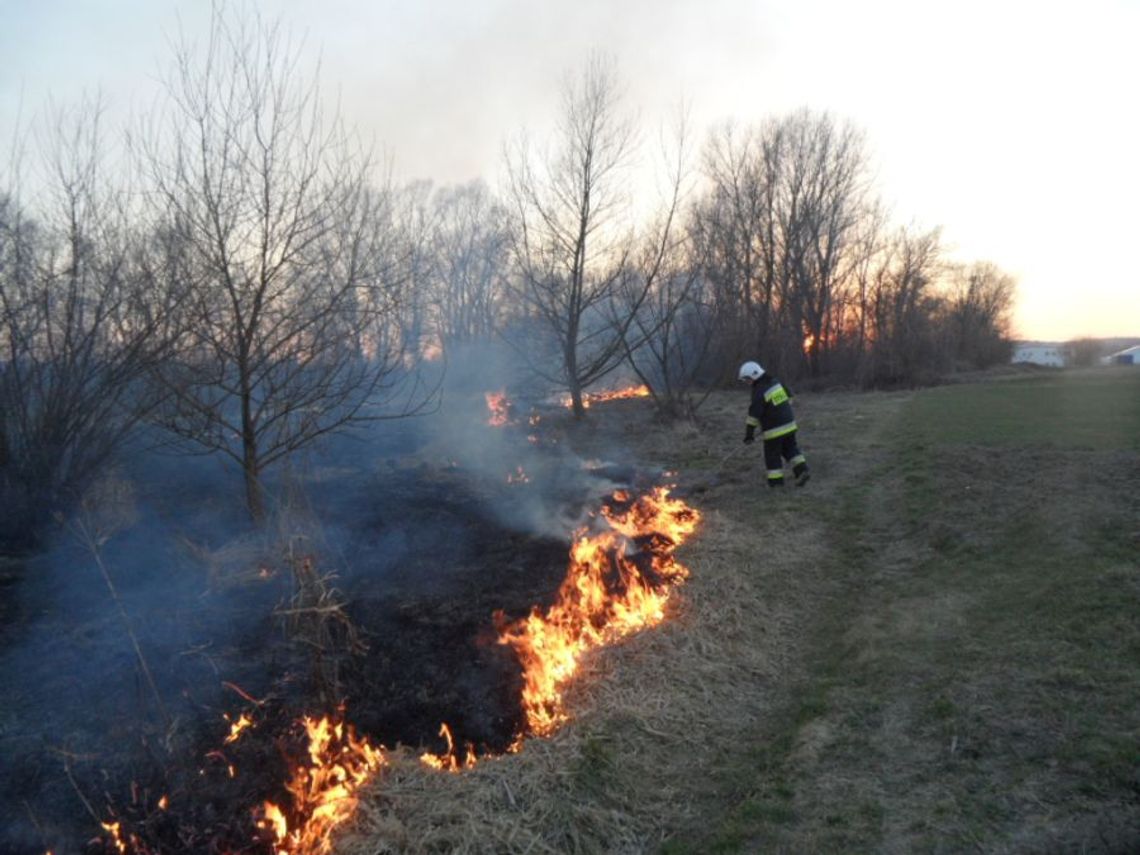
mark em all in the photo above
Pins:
pixel 771 408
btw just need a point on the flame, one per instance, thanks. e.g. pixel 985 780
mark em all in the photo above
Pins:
pixel 500 408
pixel 237 727
pixel 641 391
pixel 449 761
pixel 115 830
pixel 608 594
pixel 809 342
pixel 618 581
pixel 324 791
pixel 275 821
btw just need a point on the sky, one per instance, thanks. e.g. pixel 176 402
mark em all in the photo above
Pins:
pixel 1014 126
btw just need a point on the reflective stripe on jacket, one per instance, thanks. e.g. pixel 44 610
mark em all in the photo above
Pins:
pixel 771 408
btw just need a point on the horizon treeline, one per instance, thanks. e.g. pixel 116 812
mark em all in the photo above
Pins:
pixel 248 283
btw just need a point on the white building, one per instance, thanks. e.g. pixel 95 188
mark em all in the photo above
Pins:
pixel 1128 356
pixel 1039 353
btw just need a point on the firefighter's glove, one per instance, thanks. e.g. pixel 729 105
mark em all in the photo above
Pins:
pixel 749 434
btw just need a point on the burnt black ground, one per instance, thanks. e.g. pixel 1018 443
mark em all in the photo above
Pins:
pixel 423 554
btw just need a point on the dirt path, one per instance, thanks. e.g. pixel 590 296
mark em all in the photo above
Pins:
pixel 780 581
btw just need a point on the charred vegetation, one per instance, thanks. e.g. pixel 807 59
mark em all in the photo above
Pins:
pixel 378 595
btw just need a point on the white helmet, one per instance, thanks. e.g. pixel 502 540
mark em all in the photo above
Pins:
pixel 750 371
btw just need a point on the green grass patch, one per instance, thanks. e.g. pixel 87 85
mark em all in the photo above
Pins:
pixel 1091 410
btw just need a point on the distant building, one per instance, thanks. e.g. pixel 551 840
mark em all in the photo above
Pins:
pixel 1128 356
pixel 1040 353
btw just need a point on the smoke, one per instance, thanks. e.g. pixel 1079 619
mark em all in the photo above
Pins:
pixel 525 473
pixel 123 575
pixel 156 594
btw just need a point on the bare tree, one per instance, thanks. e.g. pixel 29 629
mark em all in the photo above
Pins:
pixel 778 229
pixel 799 269
pixel 470 249
pixel 80 324
pixel 669 342
pixel 822 203
pixel 571 237
pixel 413 225
pixel 867 248
pixel 735 226
pixel 979 305
pixel 675 328
pixel 287 253
pixel 1084 352
pixel 902 306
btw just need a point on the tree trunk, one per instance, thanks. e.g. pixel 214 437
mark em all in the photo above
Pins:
pixel 570 357
pixel 254 499
pixel 576 401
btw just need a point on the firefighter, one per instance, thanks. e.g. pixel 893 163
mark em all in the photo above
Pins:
pixel 771 411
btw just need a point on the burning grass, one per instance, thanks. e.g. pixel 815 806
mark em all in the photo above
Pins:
pixel 619 577
pixel 621 394
pixel 645 722
pixel 323 789
pixel 499 407
pixel 618 582
pixel 638 732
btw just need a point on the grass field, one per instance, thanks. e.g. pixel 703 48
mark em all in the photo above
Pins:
pixel 933 647
pixel 971 677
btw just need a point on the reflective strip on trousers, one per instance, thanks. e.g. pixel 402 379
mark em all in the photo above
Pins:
pixel 798 459
pixel 776 475
pixel 782 430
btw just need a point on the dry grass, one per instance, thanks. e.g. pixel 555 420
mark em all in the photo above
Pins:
pixel 649 719
pixel 655 717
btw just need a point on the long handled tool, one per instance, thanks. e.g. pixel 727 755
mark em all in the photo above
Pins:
pixel 712 477
pixel 727 457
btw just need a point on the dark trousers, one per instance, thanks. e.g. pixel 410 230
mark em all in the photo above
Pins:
pixel 776 451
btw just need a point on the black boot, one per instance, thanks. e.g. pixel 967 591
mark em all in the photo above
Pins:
pixel 800 470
